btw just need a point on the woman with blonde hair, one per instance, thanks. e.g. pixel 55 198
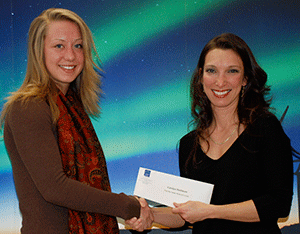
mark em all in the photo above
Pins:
pixel 58 164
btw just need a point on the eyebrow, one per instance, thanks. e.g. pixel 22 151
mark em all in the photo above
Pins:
pixel 211 65
pixel 60 39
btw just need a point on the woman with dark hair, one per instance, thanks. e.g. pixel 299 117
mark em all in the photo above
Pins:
pixel 238 145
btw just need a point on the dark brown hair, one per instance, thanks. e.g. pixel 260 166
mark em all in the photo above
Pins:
pixel 251 104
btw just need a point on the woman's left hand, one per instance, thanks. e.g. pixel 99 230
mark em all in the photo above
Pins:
pixel 193 211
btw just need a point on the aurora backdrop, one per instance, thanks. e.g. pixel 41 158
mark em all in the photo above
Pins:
pixel 149 49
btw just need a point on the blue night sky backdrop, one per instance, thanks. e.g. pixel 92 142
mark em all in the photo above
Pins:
pixel 149 50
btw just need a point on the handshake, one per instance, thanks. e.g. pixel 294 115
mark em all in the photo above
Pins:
pixel 145 220
pixel 166 216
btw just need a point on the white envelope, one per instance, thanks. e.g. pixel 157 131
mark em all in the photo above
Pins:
pixel 163 188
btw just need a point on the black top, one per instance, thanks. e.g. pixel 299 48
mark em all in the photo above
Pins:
pixel 257 166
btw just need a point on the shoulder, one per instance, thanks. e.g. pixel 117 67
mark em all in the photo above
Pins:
pixel 267 122
pixel 189 137
pixel 31 109
pixel 30 105
pixel 268 127
pixel 267 119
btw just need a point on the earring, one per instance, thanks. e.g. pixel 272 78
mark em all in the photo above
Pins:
pixel 242 91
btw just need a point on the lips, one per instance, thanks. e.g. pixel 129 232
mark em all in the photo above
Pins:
pixel 221 93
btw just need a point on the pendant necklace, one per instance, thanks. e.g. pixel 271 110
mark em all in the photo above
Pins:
pixel 221 143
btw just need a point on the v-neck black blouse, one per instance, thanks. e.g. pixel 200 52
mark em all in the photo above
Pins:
pixel 258 166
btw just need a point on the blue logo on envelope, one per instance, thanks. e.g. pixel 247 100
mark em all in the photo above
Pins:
pixel 147 173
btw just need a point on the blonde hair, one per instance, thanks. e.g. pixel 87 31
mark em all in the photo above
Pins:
pixel 37 82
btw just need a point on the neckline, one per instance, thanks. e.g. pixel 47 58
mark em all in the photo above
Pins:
pixel 229 149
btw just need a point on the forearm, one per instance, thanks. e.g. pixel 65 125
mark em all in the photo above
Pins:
pixel 243 212
pixel 165 217
pixel 78 196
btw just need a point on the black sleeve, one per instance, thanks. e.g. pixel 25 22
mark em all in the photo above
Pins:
pixel 186 145
pixel 277 162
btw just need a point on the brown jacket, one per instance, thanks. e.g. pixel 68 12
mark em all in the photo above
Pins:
pixel 45 194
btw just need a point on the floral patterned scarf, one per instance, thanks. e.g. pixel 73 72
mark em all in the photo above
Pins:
pixel 82 160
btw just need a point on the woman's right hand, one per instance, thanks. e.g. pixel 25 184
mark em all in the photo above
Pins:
pixel 145 220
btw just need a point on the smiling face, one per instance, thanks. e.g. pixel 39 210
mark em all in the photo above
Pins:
pixel 223 77
pixel 64 55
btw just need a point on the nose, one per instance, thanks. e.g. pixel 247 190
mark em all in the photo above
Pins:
pixel 221 80
pixel 70 54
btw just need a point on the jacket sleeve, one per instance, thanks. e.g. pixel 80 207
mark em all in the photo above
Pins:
pixel 32 132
